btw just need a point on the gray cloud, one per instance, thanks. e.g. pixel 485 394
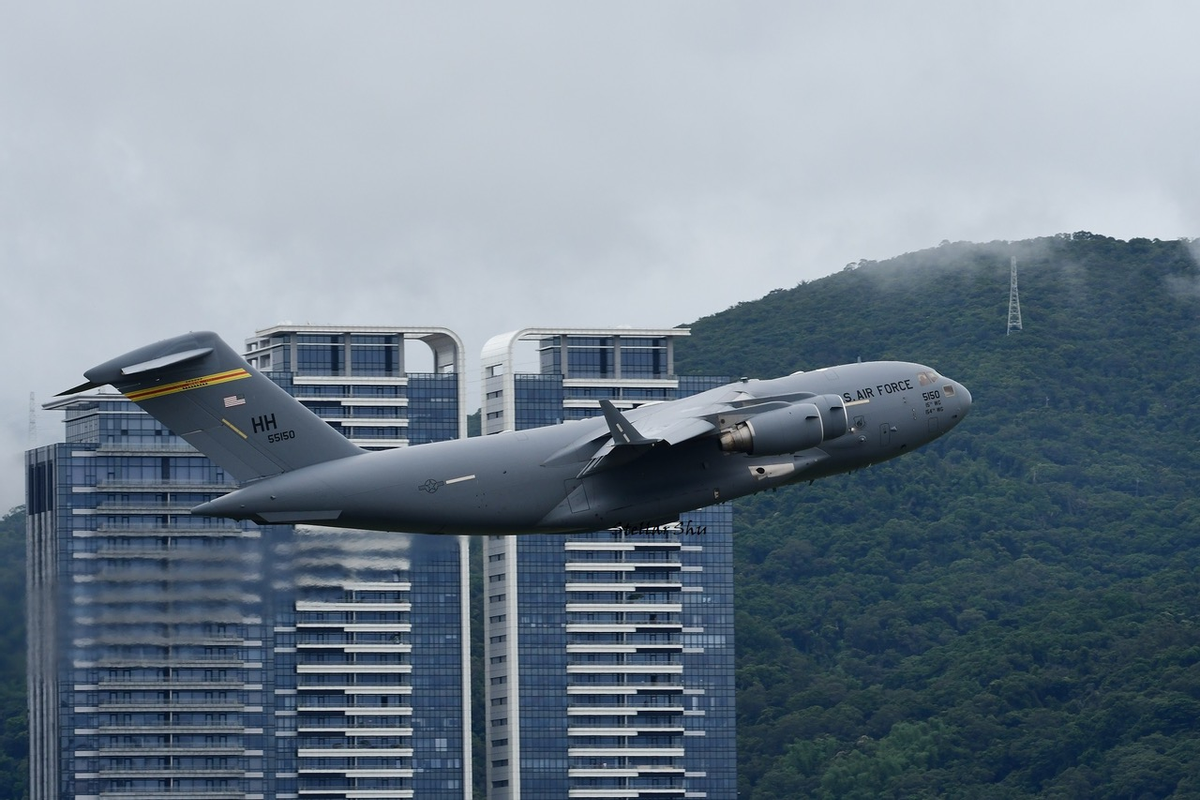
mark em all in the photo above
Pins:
pixel 179 166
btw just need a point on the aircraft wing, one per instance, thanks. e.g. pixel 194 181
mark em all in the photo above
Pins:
pixel 627 442
pixel 631 434
pixel 684 429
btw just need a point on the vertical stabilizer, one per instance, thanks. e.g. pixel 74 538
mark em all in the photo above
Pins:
pixel 201 389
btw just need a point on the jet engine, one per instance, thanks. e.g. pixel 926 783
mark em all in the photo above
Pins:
pixel 788 430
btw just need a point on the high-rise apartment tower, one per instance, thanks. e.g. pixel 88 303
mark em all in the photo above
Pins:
pixel 181 657
pixel 608 655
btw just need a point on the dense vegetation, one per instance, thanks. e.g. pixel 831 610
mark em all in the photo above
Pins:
pixel 1012 612
pixel 14 725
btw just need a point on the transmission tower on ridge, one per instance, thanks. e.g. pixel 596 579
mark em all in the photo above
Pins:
pixel 1014 300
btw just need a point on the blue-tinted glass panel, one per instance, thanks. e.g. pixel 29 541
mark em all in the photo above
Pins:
pixel 539 400
pixel 432 407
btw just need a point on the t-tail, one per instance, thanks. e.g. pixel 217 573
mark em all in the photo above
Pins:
pixel 202 390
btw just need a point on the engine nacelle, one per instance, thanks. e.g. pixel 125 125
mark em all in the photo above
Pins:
pixel 833 415
pixel 788 430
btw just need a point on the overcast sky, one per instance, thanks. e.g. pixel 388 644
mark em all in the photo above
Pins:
pixel 167 167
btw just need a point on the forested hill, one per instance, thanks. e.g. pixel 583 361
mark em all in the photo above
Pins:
pixel 1013 611
pixel 14 727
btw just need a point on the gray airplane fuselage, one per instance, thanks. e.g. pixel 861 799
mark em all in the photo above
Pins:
pixel 551 480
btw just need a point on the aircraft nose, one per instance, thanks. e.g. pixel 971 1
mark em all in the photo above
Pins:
pixel 964 399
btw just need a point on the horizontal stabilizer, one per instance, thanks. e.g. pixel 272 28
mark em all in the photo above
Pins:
pixel 86 386
pixel 166 361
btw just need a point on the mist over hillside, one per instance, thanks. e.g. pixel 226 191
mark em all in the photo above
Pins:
pixel 1013 611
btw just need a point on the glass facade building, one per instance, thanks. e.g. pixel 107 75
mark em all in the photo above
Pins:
pixel 609 655
pixel 357 379
pixel 181 657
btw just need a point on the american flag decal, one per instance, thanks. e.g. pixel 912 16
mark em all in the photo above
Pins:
pixel 235 400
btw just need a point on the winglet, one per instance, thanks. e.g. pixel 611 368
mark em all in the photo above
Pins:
pixel 626 445
pixel 622 430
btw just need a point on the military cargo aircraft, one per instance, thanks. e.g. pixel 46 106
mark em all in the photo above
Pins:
pixel 630 469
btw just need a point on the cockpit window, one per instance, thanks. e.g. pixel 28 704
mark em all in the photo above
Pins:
pixel 948 390
pixel 926 378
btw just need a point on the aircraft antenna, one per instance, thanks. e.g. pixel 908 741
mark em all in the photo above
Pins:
pixel 1014 300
